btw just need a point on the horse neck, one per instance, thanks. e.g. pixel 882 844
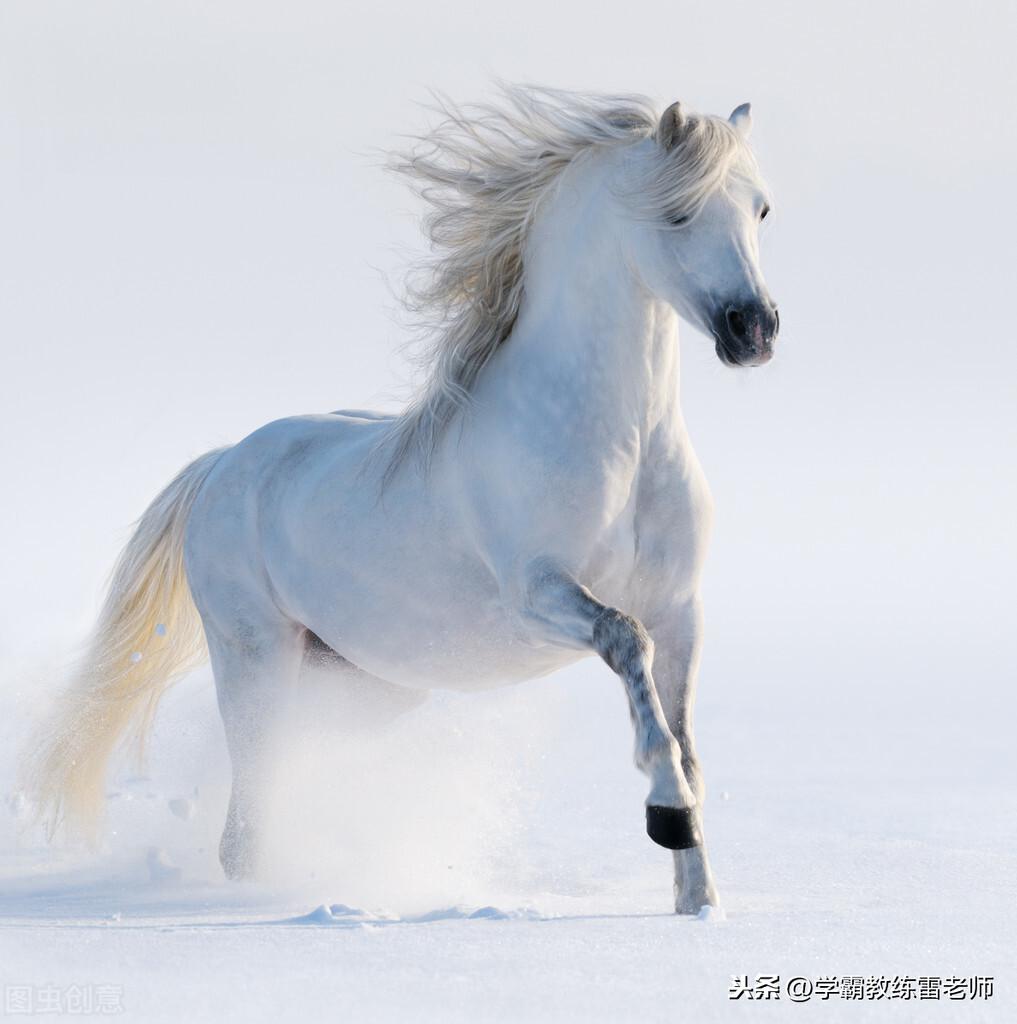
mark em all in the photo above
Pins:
pixel 588 319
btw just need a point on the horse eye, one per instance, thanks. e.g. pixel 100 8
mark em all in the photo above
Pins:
pixel 763 212
pixel 677 221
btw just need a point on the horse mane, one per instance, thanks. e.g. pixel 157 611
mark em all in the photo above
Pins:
pixel 482 171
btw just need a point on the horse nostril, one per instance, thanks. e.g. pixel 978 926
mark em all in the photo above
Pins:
pixel 736 322
pixel 776 320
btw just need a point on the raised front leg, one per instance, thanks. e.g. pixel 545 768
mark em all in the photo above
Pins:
pixel 678 642
pixel 566 612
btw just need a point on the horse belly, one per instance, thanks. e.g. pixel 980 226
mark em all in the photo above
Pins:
pixel 395 588
pixel 451 633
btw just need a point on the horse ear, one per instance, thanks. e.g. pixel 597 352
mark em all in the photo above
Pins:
pixel 741 118
pixel 672 124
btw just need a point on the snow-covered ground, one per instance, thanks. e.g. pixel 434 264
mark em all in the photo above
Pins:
pixel 484 860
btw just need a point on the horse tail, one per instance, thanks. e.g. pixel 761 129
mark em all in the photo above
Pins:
pixel 148 634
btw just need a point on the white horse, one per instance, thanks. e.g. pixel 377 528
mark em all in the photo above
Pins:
pixel 539 501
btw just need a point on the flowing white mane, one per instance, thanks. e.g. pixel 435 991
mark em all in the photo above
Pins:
pixel 483 171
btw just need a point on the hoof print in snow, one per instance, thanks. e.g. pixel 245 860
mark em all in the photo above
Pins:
pixel 182 807
pixel 160 867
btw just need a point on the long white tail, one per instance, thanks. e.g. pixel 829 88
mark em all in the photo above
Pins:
pixel 147 636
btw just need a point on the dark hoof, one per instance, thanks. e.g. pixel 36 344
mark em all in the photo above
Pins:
pixel 673 828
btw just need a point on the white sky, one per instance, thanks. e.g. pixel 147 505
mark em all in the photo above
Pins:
pixel 194 235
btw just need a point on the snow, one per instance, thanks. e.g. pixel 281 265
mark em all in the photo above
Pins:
pixel 182 807
pixel 484 859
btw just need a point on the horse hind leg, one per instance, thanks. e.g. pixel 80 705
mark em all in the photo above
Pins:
pixel 256 662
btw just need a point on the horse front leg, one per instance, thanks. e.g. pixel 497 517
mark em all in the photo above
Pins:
pixel 678 644
pixel 566 612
